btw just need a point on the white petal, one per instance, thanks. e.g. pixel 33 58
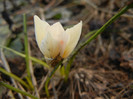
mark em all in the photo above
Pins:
pixel 74 33
pixel 50 46
pixel 40 29
pixel 56 30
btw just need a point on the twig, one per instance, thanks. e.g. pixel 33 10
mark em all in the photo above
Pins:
pixel 124 89
pixel 42 83
pixel 32 75
pixel 53 86
pixel 99 46
pixel 130 41
pixel 21 88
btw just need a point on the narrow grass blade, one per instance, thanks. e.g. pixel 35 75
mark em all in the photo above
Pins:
pixel 27 58
pixel 14 77
pixel 23 55
pixel 17 90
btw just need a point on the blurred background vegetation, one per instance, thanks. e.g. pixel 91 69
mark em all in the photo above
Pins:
pixel 101 70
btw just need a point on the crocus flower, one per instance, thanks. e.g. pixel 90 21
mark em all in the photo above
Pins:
pixel 53 40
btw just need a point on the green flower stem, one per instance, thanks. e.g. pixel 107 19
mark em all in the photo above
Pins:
pixel 15 77
pixel 50 76
pixel 17 90
pixel 123 10
pixel 23 55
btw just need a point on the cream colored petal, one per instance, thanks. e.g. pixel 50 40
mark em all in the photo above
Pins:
pixel 74 33
pixel 56 30
pixel 50 46
pixel 63 42
pixel 58 33
pixel 40 29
